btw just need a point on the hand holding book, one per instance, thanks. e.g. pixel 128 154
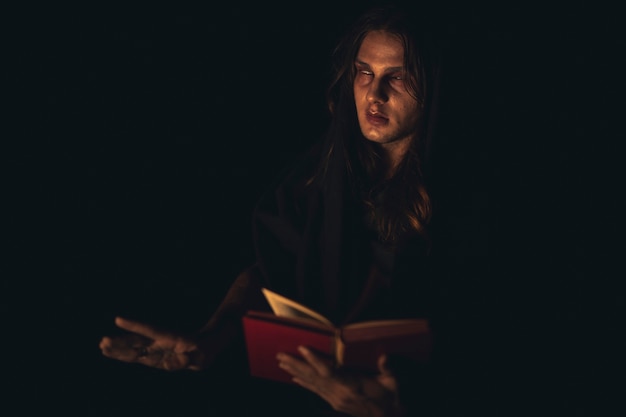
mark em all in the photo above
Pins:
pixel 355 347
pixel 357 396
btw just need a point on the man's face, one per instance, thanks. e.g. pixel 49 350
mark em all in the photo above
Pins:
pixel 386 111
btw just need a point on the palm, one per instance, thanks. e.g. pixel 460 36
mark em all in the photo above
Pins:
pixel 150 346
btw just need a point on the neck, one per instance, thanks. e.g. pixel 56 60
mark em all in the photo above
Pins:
pixel 393 153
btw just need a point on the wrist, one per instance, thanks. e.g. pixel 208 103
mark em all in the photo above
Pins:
pixel 209 344
pixel 196 359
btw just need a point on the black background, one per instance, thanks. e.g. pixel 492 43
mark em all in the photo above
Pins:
pixel 143 136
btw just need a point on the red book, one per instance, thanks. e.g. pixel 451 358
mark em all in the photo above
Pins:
pixel 355 346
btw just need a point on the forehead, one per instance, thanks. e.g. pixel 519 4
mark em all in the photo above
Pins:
pixel 380 47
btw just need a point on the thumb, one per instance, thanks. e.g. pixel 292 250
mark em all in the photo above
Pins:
pixel 386 377
pixel 383 365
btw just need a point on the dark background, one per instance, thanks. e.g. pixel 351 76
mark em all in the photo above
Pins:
pixel 143 136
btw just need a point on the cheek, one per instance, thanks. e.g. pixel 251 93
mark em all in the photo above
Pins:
pixel 411 111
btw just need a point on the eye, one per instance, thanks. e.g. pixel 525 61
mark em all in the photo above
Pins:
pixel 363 76
pixel 396 80
pixel 362 70
pixel 363 73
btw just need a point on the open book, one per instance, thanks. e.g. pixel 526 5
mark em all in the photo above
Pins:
pixel 356 346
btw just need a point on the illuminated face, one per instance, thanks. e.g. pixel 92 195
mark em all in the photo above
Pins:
pixel 387 112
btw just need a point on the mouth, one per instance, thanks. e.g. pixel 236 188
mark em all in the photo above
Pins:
pixel 376 119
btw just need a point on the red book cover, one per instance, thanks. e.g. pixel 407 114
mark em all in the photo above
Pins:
pixel 265 337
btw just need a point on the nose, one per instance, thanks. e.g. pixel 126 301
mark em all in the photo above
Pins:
pixel 376 92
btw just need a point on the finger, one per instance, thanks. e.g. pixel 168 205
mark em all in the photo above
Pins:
pixel 143 329
pixel 383 365
pixel 321 366
pixel 129 339
pixel 386 378
pixel 127 349
pixel 304 375
pixel 295 366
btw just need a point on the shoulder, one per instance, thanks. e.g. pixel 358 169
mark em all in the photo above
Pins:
pixel 292 187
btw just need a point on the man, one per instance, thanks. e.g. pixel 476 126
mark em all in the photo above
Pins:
pixel 345 230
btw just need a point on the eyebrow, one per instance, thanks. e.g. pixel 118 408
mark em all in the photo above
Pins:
pixel 390 69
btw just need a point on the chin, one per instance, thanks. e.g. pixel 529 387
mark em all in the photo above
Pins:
pixel 375 136
pixel 374 140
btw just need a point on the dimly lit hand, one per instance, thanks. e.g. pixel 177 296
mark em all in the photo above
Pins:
pixel 351 394
pixel 152 347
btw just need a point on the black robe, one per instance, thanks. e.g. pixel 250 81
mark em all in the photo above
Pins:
pixel 313 245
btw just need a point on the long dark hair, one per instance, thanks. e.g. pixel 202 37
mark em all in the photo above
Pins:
pixel 399 206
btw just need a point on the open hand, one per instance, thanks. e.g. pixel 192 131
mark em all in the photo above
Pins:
pixel 351 394
pixel 152 347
